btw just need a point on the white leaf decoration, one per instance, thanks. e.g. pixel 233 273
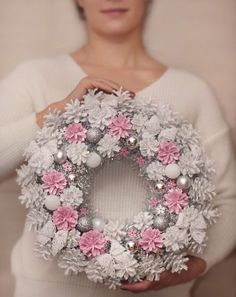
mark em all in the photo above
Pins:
pixel 59 241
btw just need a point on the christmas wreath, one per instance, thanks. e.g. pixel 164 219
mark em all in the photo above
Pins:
pixel 58 176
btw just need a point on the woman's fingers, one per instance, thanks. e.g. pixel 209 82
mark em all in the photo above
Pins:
pixel 137 287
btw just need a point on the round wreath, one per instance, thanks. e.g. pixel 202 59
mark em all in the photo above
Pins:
pixel 57 179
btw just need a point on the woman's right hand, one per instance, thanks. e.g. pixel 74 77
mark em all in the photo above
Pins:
pixel 78 93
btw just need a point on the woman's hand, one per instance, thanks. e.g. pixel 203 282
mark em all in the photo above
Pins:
pixel 195 267
pixel 78 93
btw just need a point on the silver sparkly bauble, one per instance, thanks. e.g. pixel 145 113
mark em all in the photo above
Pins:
pixel 161 222
pixel 98 223
pixel 130 245
pixel 183 182
pixel 84 224
pixel 94 135
pixel 60 157
pixel 132 142
pixel 160 187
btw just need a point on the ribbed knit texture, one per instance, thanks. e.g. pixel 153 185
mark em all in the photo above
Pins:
pixel 118 192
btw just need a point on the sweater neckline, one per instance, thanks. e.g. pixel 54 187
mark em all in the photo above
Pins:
pixel 151 85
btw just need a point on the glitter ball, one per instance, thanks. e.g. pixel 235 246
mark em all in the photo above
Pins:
pixel 94 135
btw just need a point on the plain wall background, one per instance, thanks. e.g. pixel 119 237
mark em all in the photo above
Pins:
pixel 197 35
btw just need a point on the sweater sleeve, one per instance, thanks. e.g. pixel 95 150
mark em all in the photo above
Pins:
pixel 17 115
pixel 218 145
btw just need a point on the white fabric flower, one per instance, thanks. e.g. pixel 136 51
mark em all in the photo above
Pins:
pixel 139 121
pixel 41 160
pixel 191 218
pixel 144 219
pixel 175 238
pixel 168 134
pixel 148 146
pixel 152 127
pixel 77 153
pixel 108 145
pixel 115 230
pixel 72 196
pixel 155 171
pixel 101 117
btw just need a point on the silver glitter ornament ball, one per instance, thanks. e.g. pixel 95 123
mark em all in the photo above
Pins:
pixel 183 182
pixel 161 222
pixel 60 157
pixel 132 142
pixel 130 245
pixel 84 224
pixel 94 135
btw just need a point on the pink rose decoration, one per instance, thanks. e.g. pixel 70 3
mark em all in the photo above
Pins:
pixel 151 240
pixel 124 152
pixel 132 233
pixel 168 152
pixel 170 184
pixel 140 160
pixel 67 166
pixel 65 218
pixel 153 202
pixel 176 200
pixel 54 182
pixel 120 126
pixel 75 133
pixel 92 243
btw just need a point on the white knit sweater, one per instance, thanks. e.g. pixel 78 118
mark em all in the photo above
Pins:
pixel 118 192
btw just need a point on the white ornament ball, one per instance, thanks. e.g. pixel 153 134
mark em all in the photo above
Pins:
pixel 60 157
pixel 172 171
pixel 94 135
pixel 93 160
pixel 52 202
pixel 183 182
pixel 98 223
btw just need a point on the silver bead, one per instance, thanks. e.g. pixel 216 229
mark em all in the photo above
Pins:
pixel 72 177
pixel 60 157
pixel 84 224
pixel 183 182
pixel 98 223
pixel 160 187
pixel 132 142
pixel 130 245
pixel 161 222
pixel 94 135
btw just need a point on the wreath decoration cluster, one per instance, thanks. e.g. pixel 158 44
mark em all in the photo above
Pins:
pixel 58 176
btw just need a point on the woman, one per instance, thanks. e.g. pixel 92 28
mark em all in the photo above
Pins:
pixel 113 56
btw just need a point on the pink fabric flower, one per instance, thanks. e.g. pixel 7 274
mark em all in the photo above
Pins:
pixel 151 240
pixel 92 243
pixel 140 160
pixel 120 126
pixel 65 218
pixel 168 152
pixel 67 166
pixel 176 200
pixel 83 211
pixel 54 182
pixel 153 201
pixel 75 133
pixel 132 233
pixel 124 152
pixel 170 184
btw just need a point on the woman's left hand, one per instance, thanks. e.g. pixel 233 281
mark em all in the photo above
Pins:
pixel 195 267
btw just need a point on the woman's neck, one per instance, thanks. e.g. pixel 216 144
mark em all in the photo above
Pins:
pixel 115 52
